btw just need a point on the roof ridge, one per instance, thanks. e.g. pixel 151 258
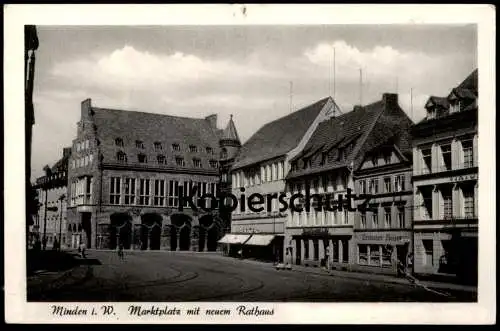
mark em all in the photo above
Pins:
pixel 148 113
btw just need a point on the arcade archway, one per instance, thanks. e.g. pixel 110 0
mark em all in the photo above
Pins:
pixel 151 231
pixel 120 230
pixel 208 233
pixel 180 232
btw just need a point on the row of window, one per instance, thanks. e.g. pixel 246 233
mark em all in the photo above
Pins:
pixel 387 222
pixel 83 161
pixel 444 160
pixel 156 192
pixel 81 191
pixel 446 193
pixel 82 146
pixel 340 249
pixel 158 146
pixel 390 184
pixel 161 159
pixel 337 183
pixel 333 155
pixel 257 176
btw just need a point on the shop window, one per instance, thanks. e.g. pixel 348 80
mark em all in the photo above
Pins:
pixel 386 256
pixel 336 252
pixel 363 254
pixel 374 255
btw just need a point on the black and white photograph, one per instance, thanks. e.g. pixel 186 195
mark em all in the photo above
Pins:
pixel 247 166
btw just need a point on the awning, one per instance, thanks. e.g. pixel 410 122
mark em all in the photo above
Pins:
pixel 260 240
pixel 234 238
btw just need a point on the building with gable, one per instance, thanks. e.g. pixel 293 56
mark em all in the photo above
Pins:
pixel 125 174
pixel 344 152
pixel 261 167
pixel 445 184
pixel 51 220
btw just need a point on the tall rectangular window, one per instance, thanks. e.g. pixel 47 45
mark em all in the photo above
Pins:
pixel 130 191
pixel 387 217
pixel 427 197
pixel 468 153
pixel 399 183
pixel 469 207
pixel 362 224
pixel 447 204
pixel 387 185
pixel 173 193
pixel 144 192
pixel 375 219
pixel 373 186
pixel 374 255
pixel 114 190
pixel 427 158
pixel 446 153
pixel 362 186
pixel 159 192
pixel 401 217
pixel 363 254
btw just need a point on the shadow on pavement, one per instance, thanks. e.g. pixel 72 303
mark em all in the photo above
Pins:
pixel 55 261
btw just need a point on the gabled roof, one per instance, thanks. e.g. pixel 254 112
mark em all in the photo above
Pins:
pixel 280 136
pixel 363 129
pixel 150 128
pixel 470 83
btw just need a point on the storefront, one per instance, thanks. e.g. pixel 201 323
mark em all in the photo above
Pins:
pixel 232 244
pixel 382 252
pixel 311 246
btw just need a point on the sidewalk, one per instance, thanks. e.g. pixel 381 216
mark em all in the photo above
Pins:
pixel 371 277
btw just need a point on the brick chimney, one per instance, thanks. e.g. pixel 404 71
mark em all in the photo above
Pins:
pixel 212 120
pixel 390 100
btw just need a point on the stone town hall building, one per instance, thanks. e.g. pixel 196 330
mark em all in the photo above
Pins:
pixel 125 173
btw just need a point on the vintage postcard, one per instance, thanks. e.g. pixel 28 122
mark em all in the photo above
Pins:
pixel 285 164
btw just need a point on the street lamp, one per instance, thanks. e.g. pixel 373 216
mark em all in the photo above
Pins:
pixel 61 198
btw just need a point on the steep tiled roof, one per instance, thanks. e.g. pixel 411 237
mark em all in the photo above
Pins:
pixel 470 83
pixel 280 136
pixel 149 128
pixel 356 132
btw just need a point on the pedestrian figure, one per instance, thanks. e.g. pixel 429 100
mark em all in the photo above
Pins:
pixel 327 257
pixel 82 250
pixel 120 251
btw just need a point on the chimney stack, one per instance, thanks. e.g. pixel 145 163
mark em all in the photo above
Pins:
pixel 212 120
pixel 390 99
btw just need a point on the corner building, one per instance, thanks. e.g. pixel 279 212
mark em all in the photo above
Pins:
pixel 261 167
pixel 125 174
pixel 445 184
pixel 343 152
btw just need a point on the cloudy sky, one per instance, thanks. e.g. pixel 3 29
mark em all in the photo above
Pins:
pixel 245 71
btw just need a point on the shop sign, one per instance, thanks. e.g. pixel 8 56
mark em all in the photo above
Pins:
pixel 315 231
pixel 384 237
pixel 463 178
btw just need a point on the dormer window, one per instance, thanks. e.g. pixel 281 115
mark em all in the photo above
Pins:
pixel 142 158
pixel 197 163
pixel 193 148
pixel 176 147
pixel 121 157
pixel 324 158
pixel 340 155
pixel 209 150
pixel 139 144
pixel 223 154
pixel 456 106
pixel 294 166
pixel 158 146
pixel 375 160
pixel 213 164
pixel 180 161
pixel 160 159
pixel 119 142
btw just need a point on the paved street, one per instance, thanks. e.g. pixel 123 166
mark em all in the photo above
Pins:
pixel 179 276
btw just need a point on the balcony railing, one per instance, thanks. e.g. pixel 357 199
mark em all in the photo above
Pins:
pixel 439 169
